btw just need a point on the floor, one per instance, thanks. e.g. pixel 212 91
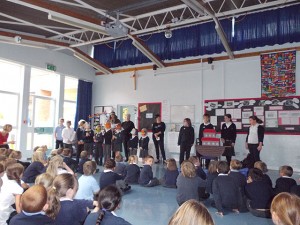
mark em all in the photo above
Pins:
pixel 155 206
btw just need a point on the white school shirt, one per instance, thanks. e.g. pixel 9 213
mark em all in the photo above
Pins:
pixel 253 136
pixel 87 187
pixel 7 198
pixel 228 124
pixel 68 135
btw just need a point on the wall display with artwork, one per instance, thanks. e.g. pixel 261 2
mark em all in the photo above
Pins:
pixel 278 74
pixel 101 115
pixel 146 114
pixel 279 115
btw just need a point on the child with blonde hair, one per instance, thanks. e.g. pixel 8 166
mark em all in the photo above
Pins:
pixel 211 175
pixel 11 191
pixel 44 179
pixel 171 174
pixel 191 213
pixel 188 183
pixel 18 156
pixel 132 170
pixel 57 166
pixel 33 204
pixel 264 169
pixel 68 210
pixel 83 159
pixel 37 167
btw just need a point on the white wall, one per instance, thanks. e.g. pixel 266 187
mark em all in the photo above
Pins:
pixel 239 78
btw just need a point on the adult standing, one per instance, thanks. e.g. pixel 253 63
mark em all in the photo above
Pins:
pixel 158 134
pixel 228 137
pixel 7 128
pixel 79 136
pixel 127 126
pixel 68 135
pixel 186 139
pixel 255 138
pixel 113 119
pixel 58 134
pixel 205 125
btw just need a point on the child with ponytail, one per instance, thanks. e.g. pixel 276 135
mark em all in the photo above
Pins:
pixel 62 203
pixel 11 191
pixel 109 200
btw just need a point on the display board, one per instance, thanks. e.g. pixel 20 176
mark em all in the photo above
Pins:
pixel 179 112
pixel 278 74
pixel 279 115
pixel 146 114
pixel 101 115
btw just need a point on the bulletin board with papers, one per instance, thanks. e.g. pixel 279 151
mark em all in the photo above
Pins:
pixel 146 114
pixel 279 115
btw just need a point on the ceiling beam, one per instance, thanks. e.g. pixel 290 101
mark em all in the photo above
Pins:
pixel 142 47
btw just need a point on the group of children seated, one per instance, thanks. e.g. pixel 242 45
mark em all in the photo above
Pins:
pixel 47 190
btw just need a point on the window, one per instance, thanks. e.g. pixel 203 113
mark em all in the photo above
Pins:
pixel 70 98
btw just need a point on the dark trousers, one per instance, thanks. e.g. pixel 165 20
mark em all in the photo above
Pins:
pixel 80 148
pixel 58 144
pixel 159 145
pixel 254 153
pixel 98 153
pixel 184 149
pixel 69 146
pixel 258 213
pixel 126 150
pixel 207 161
pixel 154 182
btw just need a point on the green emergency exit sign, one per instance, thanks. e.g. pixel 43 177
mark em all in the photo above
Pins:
pixel 51 67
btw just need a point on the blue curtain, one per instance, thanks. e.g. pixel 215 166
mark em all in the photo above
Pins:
pixel 84 101
pixel 254 30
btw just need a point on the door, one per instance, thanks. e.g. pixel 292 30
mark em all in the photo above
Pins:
pixel 41 122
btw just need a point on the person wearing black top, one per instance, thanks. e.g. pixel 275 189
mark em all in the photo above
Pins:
pixel 254 139
pixel 186 139
pixel 205 125
pixel 158 130
pixel 113 119
pixel 228 137
pixel 79 136
pixel 127 127
pixel 285 182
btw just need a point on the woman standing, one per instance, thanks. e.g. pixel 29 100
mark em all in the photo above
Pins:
pixel 158 131
pixel 205 125
pixel 228 137
pixel 4 136
pixel 255 138
pixel 186 139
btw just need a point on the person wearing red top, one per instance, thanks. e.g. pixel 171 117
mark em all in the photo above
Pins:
pixel 4 136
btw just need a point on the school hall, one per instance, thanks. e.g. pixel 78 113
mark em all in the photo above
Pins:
pixel 118 92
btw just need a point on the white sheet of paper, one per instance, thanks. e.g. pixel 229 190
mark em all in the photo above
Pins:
pixel 245 121
pixel 237 114
pixel 246 115
pixel 259 111
pixel 271 114
pixel 220 112
pixel 214 120
pixel 238 125
pixel 272 123
pixel 149 115
pixel 230 111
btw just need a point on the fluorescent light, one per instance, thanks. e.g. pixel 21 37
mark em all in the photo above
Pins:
pixel 76 22
pixel 147 53
pixel 91 63
pixel 26 43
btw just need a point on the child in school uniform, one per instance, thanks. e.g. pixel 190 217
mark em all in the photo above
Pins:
pixel 98 140
pixel 33 204
pixel 264 169
pixel 109 177
pixel 67 158
pixel 171 174
pixel 146 176
pixel 120 166
pixel 133 142
pixel 44 179
pixel 107 134
pixel 225 190
pixel 211 175
pixel 68 210
pixel 83 159
pixel 109 200
pixel 11 191
pixel 285 182
pixel 88 185
pixel 199 171
pixel 88 139
pixel 143 144
pixel 37 167
pixel 132 170
pixel 57 166
pixel 117 140
pixel 259 194
pixel 18 156
pixel 188 183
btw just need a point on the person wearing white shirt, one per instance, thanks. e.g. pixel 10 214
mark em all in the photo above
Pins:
pixel 255 138
pixel 68 135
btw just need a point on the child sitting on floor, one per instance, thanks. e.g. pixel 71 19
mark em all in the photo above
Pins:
pixel 264 169
pixel 211 175
pixel 67 158
pixel 37 167
pixel 33 204
pixel 132 170
pixel 199 171
pixel 146 177
pixel 285 182
pixel 171 174
pixel 120 166
pixel 88 185
pixel 83 158
pixel 44 179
